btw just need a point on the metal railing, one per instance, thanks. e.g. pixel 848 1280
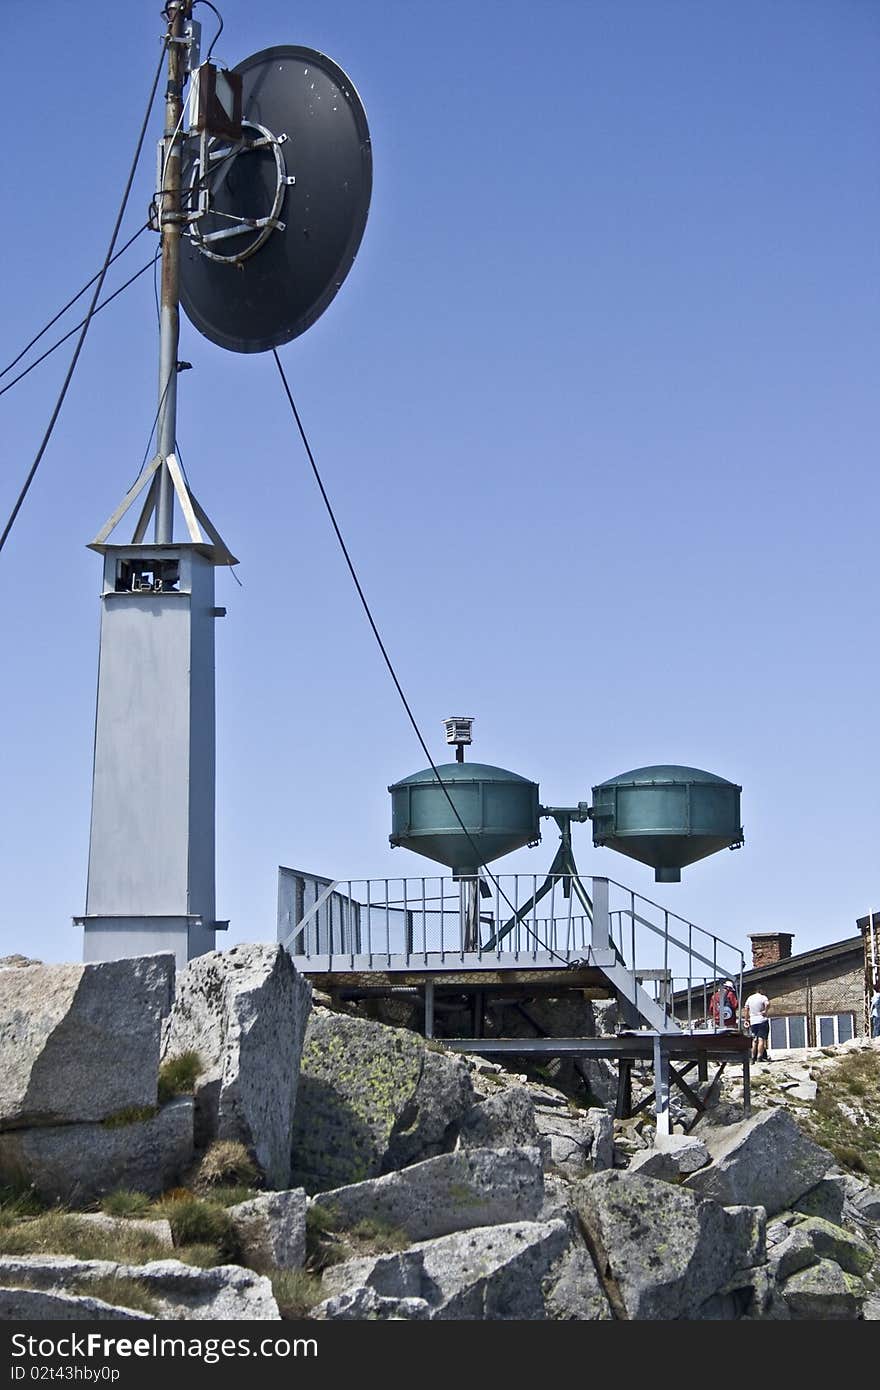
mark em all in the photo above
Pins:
pixel 435 922
pixel 418 920
pixel 681 963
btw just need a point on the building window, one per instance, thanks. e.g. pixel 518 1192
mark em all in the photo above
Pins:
pixel 788 1031
pixel 834 1028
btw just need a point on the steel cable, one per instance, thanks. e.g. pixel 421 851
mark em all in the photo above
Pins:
pixel 104 302
pixel 389 664
pixel 69 305
pixel 92 306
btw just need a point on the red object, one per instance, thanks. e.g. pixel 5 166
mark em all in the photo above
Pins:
pixel 728 1012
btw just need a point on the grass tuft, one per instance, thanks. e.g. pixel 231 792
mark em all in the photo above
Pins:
pixel 203 1233
pixel 231 1196
pixel 849 1158
pixel 202 1256
pixel 131 1115
pixel 225 1163
pixel 329 1243
pixel 124 1293
pixel 321 1220
pixel 380 1236
pixel 296 1292
pixel 18 1201
pixel 178 1076
pixel 322 1247
pixel 125 1203
pixel 59 1233
pixel 195 1221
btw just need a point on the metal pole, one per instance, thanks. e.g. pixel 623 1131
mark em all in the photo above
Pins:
pixel 661 1088
pixel 667 993
pixel 474 912
pixel 600 931
pixel 462 915
pixel 747 1085
pixel 429 1008
pixel 872 940
pixel 169 226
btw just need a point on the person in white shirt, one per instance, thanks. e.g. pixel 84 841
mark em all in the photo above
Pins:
pixel 755 1011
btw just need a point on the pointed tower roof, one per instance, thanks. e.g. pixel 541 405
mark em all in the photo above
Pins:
pixel 201 531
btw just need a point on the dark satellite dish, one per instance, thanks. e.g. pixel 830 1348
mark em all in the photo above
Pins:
pixel 286 205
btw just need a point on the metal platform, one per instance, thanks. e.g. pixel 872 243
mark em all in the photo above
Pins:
pixel 431 937
pixel 597 933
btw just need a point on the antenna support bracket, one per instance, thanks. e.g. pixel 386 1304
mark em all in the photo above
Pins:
pixel 200 192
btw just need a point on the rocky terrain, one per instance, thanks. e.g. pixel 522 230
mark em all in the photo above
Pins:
pixel 227 1149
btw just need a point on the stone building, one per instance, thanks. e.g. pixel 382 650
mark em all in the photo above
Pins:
pixel 817 997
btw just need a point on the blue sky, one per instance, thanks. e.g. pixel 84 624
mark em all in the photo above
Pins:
pixel 596 407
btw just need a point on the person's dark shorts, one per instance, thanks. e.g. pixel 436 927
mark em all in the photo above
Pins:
pixel 761 1030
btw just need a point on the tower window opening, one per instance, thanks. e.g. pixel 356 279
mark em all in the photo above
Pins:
pixel 150 577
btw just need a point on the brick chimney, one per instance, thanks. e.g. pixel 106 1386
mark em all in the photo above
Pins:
pixel 770 947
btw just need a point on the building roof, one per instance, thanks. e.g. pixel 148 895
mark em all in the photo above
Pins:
pixel 822 955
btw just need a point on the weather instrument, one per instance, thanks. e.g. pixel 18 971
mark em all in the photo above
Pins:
pixel 465 815
pixel 263 184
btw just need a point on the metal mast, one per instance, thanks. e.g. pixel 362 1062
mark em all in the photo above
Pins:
pixel 170 218
pixel 151 876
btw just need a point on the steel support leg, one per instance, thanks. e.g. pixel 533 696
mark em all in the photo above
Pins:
pixel 478 1014
pixel 661 1088
pixel 623 1107
pixel 747 1085
pixel 429 1008
pixel 563 867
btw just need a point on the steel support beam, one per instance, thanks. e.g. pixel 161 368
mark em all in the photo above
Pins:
pixel 661 1088
pixel 429 1008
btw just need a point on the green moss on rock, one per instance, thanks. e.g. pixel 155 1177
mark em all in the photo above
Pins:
pixel 355 1078
pixel 370 1098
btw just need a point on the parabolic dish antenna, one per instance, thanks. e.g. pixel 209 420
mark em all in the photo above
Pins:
pixel 287 203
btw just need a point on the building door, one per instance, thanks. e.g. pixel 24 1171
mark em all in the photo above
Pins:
pixel 834 1028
